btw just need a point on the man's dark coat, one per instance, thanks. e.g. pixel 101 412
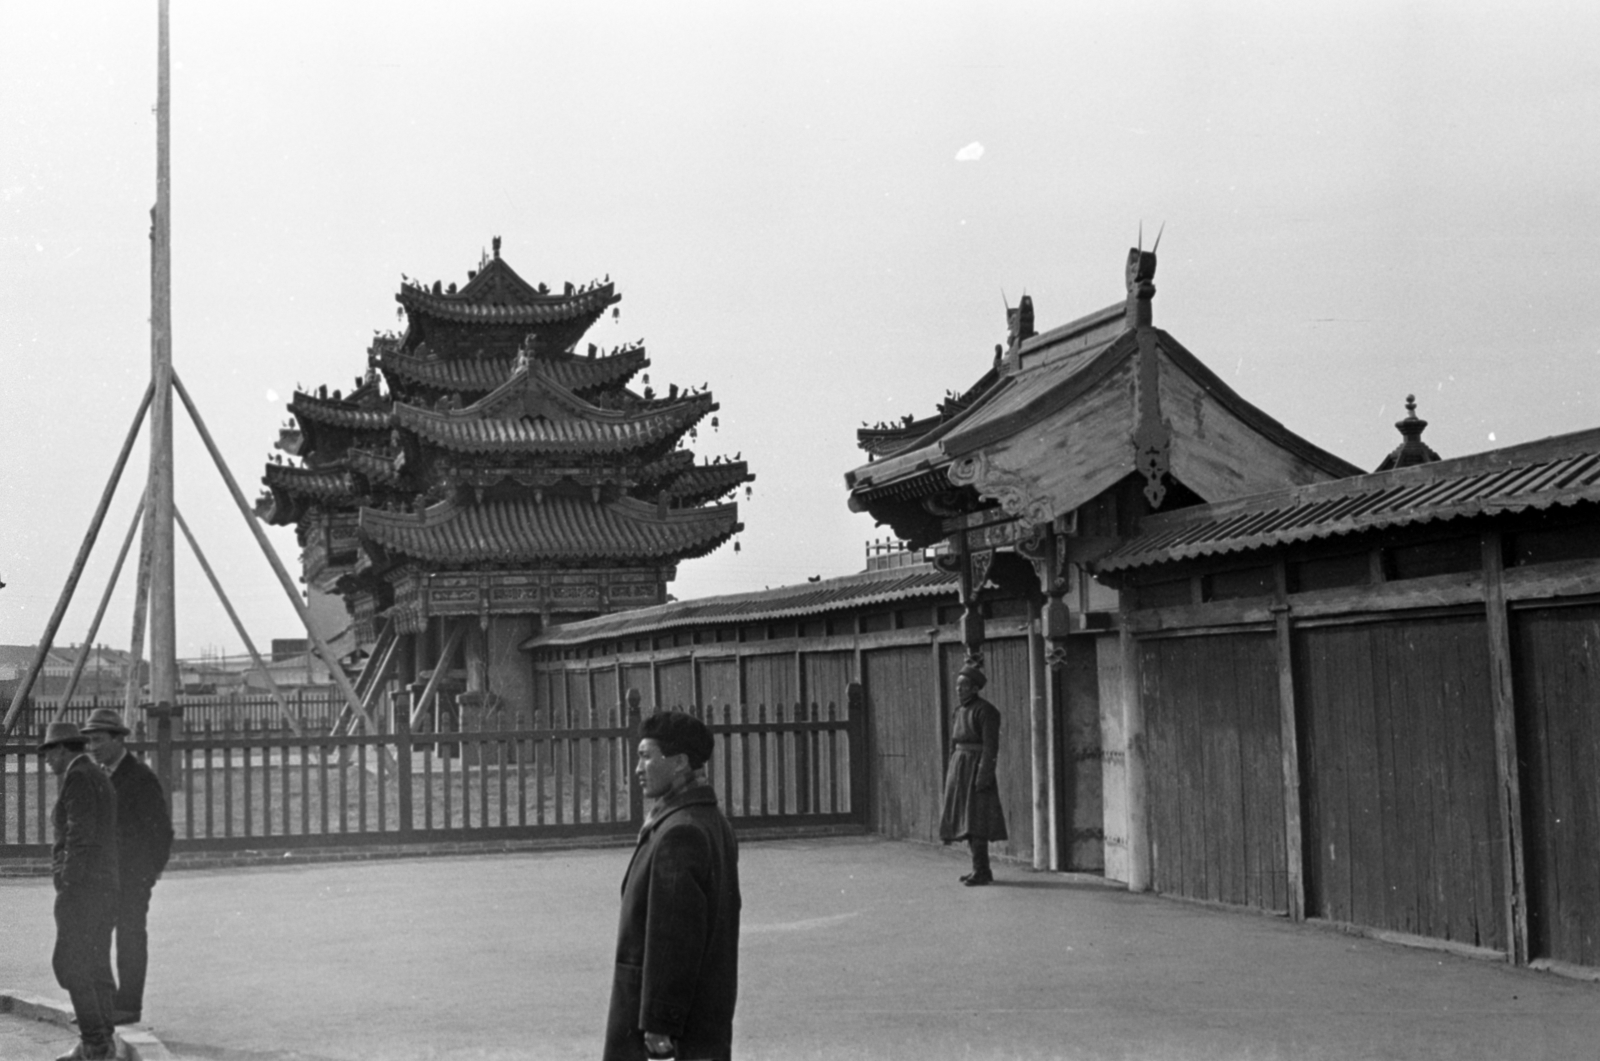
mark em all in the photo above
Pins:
pixel 84 856
pixel 144 842
pixel 84 865
pixel 144 826
pixel 677 970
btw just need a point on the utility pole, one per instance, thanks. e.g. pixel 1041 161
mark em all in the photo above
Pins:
pixel 158 527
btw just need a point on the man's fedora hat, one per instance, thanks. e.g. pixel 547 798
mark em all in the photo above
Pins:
pixel 106 720
pixel 60 733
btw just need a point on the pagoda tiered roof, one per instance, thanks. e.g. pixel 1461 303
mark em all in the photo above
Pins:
pixel 479 375
pixel 478 443
pixel 531 413
pixel 557 529
pixel 497 295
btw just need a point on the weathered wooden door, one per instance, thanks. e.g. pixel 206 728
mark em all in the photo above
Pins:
pixel 1557 654
pixel 1215 769
pixel 905 746
pixel 1080 781
pixel 1396 741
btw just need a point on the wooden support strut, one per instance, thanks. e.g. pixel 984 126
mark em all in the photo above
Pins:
pixel 26 685
pixel 441 665
pixel 227 605
pixel 99 614
pixel 334 670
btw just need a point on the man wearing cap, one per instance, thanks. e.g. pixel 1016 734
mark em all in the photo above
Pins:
pixel 972 810
pixel 84 866
pixel 144 841
pixel 677 966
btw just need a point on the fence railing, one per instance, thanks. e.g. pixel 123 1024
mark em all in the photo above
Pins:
pixel 315 708
pixel 252 787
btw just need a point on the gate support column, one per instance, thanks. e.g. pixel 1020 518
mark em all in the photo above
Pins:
pixel 1505 747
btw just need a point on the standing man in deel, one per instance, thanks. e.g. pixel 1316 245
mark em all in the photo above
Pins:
pixel 144 842
pixel 84 867
pixel 972 810
pixel 677 970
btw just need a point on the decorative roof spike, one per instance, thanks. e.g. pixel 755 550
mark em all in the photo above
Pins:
pixel 496 242
pixel 1412 450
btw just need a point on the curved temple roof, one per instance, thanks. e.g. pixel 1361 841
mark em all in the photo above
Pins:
pixel 480 375
pixel 531 413
pixel 558 528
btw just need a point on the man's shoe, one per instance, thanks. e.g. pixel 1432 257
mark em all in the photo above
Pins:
pixel 125 1016
pixel 977 880
pixel 966 877
pixel 75 1054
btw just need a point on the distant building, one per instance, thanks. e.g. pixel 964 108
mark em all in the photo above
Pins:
pixel 482 479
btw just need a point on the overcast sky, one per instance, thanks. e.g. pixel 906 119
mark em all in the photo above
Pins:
pixel 817 209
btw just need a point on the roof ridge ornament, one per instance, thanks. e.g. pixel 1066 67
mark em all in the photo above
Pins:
pixel 1412 450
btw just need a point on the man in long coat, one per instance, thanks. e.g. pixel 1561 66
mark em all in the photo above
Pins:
pixel 144 842
pixel 677 965
pixel 84 867
pixel 972 810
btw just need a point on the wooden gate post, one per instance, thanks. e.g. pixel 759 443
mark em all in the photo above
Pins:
pixel 635 793
pixel 402 751
pixel 856 741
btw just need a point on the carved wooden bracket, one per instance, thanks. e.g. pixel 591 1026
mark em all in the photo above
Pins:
pixel 1009 488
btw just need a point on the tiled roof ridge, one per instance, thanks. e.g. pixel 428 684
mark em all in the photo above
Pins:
pixel 853 590
pixel 1562 470
pixel 1524 454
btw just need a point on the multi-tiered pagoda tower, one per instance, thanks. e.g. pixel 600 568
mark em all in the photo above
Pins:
pixel 482 475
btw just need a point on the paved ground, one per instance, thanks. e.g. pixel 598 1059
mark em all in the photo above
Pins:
pixel 853 948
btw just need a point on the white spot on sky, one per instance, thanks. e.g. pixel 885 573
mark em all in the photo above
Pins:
pixel 1491 436
pixel 272 395
pixel 971 153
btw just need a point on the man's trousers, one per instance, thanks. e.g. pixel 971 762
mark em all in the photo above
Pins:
pixel 82 961
pixel 133 946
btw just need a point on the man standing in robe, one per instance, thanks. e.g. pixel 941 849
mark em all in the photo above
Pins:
pixel 677 965
pixel 144 842
pixel 972 810
pixel 84 867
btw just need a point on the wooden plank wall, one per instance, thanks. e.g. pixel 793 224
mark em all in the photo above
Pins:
pixel 770 681
pixel 827 678
pixel 675 681
pixel 1080 812
pixel 1214 773
pixel 1557 652
pixel 907 760
pixel 1397 762
pixel 1007 665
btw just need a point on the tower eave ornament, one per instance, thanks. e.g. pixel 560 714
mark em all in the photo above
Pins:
pixel 1011 490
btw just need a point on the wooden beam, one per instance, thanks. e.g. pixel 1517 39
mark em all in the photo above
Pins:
pixel 99 517
pixel 334 670
pixel 99 613
pixel 1293 844
pixel 141 612
pixel 1503 691
pixel 440 666
pixel 1038 740
pixel 163 618
pixel 1139 861
pixel 249 645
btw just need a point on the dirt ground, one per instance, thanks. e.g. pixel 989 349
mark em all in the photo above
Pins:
pixel 852 948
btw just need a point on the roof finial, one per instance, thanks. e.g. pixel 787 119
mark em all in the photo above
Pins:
pixel 496 242
pixel 1412 450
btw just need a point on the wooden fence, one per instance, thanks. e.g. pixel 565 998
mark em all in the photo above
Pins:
pixel 252 787
pixel 315 708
